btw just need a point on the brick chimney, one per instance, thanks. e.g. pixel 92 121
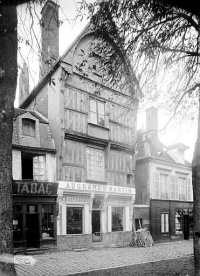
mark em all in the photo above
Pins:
pixel 50 37
pixel 152 123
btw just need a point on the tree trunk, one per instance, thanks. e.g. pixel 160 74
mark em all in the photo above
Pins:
pixel 196 193
pixel 8 82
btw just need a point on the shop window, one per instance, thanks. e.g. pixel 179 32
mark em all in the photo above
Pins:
pixel 178 222
pixel 95 164
pixel 138 223
pixel 17 223
pixel 97 112
pixel 74 220
pixel 28 127
pixel 117 219
pixel 164 223
pixel 47 221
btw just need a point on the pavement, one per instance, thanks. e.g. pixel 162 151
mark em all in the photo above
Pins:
pixel 73 262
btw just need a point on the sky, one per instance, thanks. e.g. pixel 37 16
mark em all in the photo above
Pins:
pixel 70 28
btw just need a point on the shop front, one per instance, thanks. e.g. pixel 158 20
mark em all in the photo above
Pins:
pixel 171 220
pixel 34 215
pixel 91 214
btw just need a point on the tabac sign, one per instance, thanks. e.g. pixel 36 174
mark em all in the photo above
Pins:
pixel 21 187
pixel 88 187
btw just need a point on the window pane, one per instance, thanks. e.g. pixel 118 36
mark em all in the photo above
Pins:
pixel 101 120
pixel 117 219
pixel 74 220
pixel 93 118
pixel 93 106
pixel 101 108
pixel 47 221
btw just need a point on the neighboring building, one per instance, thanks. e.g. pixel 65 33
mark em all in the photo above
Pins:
pixel 34 182
pixel 164 197
pixel 94 128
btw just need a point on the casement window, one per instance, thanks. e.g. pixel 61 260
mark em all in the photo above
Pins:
pixel 95 164
pixel 33 167
pixel 28 127
pixel 97 112
pixel 74 220
pixel 117 219
pixel 164 222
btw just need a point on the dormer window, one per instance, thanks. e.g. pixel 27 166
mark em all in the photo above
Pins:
pixel 28 127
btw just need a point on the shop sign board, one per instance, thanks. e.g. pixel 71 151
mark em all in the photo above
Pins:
pixel 21 187
pixel 88 187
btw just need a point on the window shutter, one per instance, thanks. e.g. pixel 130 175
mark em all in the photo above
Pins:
pixel 189 192
pixel 176 188
pixel 172 178
pixel 156 185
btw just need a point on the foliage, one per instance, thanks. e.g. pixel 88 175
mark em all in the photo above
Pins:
pixel 159 42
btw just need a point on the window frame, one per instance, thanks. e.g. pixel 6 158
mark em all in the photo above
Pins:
pixel 32 127
pixel 82 219
pixel 94 166
pixel 164 223
pixel 123 217
pixel 97 112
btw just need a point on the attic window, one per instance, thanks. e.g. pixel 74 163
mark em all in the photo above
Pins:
pixel 28 127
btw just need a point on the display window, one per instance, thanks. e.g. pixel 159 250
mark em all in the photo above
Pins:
pixel 74 220
pixel 17 222
pixel 117 219
pixel 47 221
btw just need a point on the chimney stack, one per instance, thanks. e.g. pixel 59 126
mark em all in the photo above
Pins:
pixel 23 83
pixel 50 37
pixel 152 123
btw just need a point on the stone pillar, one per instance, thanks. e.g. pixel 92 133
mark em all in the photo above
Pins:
pixel 109 218
pixel 127 218
pixel 63 219
pixel 87 219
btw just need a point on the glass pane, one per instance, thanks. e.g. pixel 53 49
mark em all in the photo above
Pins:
pixel 178 222
pixel 74 220
pixel 101 120
pixel 93 118
pixel 101 108
pixel 93 106
pixel 117 219
pixel 47 221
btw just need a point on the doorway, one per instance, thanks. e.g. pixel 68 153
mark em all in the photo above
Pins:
pixel 96 225
pixel 32 230
pixel 186 229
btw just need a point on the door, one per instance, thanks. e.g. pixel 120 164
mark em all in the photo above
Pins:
pixel 95 221
pixel 32 230
pixel 186 230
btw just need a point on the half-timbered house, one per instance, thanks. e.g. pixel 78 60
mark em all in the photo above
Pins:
pixel 94 128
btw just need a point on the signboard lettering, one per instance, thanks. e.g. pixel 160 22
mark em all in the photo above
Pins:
pixel 34 188
pixel 96 187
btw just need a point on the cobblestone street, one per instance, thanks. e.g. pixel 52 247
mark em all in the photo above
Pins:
pixel 72 262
